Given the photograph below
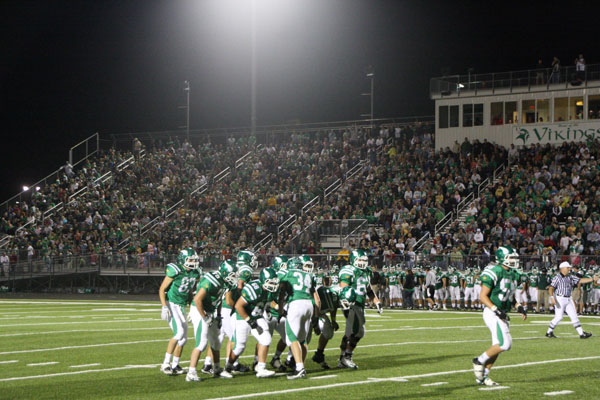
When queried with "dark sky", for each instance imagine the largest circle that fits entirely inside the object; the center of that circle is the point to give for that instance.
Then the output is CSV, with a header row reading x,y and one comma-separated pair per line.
x,y
71,68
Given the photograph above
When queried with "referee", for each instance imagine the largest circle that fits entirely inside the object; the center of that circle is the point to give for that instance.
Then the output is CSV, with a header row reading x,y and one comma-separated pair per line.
x,y
561,289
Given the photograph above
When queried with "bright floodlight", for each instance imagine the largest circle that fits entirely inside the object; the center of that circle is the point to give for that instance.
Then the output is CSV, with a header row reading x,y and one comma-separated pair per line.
x,y
37,188
25,188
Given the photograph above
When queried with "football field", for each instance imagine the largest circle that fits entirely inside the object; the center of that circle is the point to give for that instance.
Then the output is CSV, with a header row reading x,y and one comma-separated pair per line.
x,y
113,349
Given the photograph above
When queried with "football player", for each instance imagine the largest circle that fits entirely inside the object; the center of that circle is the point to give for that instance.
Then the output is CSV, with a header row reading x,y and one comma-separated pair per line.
x,y
440,288
469,288
331,299
298,288
249,314
319,277
205,315
477,287
274,318
393,284
357,275
496,286
174,293
333,275
522,282
454,279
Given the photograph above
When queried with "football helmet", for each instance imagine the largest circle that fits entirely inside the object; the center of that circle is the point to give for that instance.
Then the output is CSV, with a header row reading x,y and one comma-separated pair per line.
x,y
293,263
188,259
347,297
269,280
227,271
451,270
247,257
534,270
359,259
385,269
280,262
306,263
508,257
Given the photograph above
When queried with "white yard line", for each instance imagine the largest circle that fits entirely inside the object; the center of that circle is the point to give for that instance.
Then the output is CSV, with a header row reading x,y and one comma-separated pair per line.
x,y
21,317
9,362
85,365
85,346
322,377
485,389
44,363
558,393
76,303
434,384
112,321
342,384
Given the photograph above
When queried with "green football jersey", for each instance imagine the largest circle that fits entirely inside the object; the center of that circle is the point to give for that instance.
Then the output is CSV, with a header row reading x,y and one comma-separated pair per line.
x,y
500,282
319,280
454,279
470,280
215,288
301,285
533,280
359,279
392,278
520,280
439,280
244,272
334,280
256,299
182,285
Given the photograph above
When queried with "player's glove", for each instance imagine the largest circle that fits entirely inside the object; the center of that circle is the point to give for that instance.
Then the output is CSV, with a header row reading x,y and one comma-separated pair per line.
x,y
165,314
379,308
501,314
208,320
254,325
522,310
282,314
335,325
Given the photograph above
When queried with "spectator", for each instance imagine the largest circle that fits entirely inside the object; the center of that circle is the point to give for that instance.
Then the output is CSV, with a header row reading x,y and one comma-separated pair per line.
x,y
580,68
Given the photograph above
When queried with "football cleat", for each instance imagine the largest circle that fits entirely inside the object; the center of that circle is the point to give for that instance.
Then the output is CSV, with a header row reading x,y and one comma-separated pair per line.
x,y
319,358
241,368
551,335
207,369
264,373
276,363
192,377
254,364
221,373
478,370
177,370
291,364
297,374
347,363
166,369
487,382
585,335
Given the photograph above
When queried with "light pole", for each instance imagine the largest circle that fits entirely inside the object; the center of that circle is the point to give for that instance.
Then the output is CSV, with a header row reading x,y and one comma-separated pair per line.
x,y
370,75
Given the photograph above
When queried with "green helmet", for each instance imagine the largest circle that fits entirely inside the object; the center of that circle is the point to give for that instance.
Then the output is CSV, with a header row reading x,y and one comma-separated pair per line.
x,y
334,269
227,271
247,257
359,259
507,256
385,268
269,280
294,263
347,297
451,270
188,259
280,262
306,263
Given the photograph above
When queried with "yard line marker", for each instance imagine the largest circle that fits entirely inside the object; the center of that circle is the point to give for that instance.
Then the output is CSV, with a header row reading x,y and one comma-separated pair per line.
x,y
85,365
76,303
530,331
373,326
83,331
82,322
495,388
558,393
342,384
44,363
80,347
434,384
323,377
9,362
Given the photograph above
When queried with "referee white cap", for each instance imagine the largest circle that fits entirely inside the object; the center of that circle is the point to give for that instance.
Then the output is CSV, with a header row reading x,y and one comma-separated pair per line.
x,y
564,264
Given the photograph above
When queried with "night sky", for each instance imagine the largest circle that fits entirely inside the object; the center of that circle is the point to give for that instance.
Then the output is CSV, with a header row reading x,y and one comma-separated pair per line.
x,y
70,69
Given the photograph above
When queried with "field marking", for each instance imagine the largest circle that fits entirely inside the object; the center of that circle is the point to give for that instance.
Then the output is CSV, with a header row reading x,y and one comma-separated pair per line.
x,y
85,346
322,377
44,363
495,388
85,365
83,331
77,303
112,321
434,384
93,316
530,332
558,393
342,384
9,362
7,314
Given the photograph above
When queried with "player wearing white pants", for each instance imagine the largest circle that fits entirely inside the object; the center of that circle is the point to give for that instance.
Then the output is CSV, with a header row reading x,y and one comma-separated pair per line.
x,y
205,333
560,289
243,330
499,329
455,294
533,294
521,296
297,324
470,296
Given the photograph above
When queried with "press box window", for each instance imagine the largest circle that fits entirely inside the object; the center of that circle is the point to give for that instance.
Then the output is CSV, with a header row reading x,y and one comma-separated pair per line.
x,y
467,114
443,117
454,116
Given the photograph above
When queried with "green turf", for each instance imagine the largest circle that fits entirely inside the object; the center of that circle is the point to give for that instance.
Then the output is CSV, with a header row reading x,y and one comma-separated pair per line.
x,y
399,344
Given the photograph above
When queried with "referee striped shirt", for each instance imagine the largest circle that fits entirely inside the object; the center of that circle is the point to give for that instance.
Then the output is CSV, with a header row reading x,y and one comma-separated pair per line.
x,y
563,285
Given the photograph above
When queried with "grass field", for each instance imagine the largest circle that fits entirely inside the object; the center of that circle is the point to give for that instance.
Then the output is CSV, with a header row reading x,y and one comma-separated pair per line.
x,y
112,349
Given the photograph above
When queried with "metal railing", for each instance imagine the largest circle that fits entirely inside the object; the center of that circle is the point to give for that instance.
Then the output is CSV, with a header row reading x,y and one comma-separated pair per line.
x,y
286,224
91,145
524,80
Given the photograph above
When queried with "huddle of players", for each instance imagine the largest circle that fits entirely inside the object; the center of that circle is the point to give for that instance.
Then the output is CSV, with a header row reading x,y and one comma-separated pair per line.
x,y
462,289
287,297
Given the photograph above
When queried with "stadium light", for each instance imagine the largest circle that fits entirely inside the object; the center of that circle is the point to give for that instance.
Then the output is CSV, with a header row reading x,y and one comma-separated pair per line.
x,y
25,188
37,188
